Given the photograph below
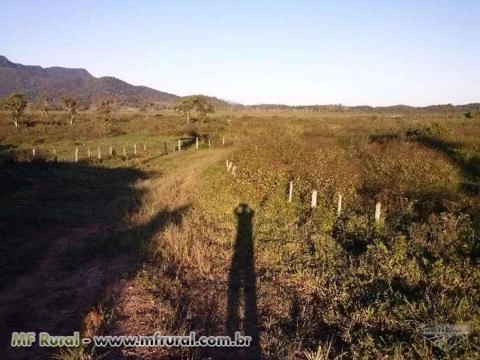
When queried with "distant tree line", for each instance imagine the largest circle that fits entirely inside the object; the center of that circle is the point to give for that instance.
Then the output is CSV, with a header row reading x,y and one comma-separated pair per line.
x,y
16,105
198,105
473,107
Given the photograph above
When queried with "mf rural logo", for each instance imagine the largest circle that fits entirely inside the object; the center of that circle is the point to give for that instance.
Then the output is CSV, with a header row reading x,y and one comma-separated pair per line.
x,y
446,336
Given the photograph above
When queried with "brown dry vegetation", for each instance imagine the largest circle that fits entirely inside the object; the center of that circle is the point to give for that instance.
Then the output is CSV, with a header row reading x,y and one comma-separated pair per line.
x,y
157,253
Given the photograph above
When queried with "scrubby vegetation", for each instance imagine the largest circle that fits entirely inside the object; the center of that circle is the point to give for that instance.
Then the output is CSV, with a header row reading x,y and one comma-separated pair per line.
x,y
324,286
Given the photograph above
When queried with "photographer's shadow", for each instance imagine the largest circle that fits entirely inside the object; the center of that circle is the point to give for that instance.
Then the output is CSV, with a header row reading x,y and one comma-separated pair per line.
x,y
242,281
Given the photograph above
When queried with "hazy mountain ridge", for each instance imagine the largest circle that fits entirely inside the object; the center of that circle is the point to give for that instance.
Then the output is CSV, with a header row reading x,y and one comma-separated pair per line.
x,y
35,81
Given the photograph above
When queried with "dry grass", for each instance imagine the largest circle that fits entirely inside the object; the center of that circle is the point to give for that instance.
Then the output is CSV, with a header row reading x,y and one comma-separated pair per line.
x,y
327,287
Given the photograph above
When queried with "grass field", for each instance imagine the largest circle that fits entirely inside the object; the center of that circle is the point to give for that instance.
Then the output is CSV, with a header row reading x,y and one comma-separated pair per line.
x,y
174,243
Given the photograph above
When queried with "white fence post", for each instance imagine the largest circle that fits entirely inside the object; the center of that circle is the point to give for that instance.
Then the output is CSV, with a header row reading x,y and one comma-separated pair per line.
x,y
33,152
110,150
179,145
99,153
378,207
196,142
135,149
76,154
290,191
88,152
339,205
314,199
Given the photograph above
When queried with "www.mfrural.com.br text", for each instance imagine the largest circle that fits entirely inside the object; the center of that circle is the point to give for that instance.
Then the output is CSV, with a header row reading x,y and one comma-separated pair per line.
x,y
44,339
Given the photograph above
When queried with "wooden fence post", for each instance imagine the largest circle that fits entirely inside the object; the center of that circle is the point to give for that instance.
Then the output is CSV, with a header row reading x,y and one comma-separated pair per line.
x,y
209,143
339,205
76,154
196,142
378,207
99,153
166,150
135,149
314,199
223,140
179,145
290,191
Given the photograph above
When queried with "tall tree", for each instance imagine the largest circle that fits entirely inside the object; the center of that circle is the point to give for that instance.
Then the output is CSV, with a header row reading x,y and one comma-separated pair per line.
x,y
15,104
147,108
46,102
187,104
71,105
105,108
204,107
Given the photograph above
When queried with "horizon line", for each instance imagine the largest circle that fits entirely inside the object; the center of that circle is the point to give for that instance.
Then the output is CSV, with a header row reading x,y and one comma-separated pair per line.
x,y
236,103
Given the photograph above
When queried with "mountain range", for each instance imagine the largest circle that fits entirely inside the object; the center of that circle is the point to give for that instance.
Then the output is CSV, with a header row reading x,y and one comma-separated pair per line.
x,y
55,82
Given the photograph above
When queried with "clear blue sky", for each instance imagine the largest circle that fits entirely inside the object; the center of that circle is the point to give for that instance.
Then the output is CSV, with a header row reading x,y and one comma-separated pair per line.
x,y
295,52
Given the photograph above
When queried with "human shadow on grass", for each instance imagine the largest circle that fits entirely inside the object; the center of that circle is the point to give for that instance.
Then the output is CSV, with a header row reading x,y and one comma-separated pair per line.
x,y
195,299
242,282
64,243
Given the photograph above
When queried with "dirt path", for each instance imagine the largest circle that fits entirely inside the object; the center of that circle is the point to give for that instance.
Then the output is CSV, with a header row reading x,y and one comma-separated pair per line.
x,y
138,311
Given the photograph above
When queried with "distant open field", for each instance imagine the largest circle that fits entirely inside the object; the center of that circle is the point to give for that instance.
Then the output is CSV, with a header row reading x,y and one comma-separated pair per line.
x,y
168,240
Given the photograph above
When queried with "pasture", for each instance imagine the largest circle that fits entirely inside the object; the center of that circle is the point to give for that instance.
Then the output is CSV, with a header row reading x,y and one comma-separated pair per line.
x,y
167,240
